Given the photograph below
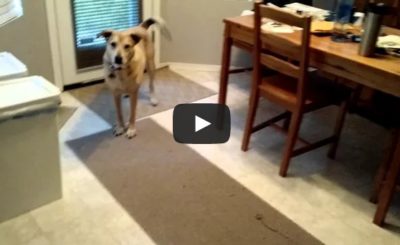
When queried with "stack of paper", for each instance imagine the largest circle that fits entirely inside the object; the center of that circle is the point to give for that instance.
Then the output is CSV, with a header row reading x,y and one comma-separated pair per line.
x,y
317,13
272,26
320,26
389,42
9,11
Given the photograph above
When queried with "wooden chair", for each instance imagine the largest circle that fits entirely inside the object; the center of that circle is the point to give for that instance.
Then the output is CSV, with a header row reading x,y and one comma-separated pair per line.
x,y
291,88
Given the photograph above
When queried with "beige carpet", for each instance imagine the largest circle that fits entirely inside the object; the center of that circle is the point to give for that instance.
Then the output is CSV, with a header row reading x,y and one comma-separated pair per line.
x,y
171,88
177,196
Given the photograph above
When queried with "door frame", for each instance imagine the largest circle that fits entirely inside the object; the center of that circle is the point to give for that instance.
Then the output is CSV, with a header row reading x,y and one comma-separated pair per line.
x,y
62,44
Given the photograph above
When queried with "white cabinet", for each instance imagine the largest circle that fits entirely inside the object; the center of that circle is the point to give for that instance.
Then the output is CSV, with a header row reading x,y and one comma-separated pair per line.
x,y
29,152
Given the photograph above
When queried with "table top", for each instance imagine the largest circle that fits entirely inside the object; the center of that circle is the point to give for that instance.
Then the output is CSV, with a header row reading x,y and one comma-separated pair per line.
x,y
348,51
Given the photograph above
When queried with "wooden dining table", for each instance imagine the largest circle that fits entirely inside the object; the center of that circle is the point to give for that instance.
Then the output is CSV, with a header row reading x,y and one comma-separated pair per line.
x,y
381,72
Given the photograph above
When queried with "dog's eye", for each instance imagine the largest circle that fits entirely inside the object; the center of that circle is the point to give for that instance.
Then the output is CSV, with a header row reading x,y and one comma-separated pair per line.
x,y
127,46
113,44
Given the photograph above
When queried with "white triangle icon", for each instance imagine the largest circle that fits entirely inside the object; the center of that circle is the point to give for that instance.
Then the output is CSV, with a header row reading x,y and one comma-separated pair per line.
x,y
200,123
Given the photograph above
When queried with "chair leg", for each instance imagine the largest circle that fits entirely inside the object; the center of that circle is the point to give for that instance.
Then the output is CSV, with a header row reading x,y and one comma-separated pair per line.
x,y
382,171
251,115
338,128
294,128
386,195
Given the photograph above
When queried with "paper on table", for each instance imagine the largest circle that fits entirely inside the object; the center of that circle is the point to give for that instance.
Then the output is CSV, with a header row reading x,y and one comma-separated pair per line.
x,y
9,11
317,13
250,12
319,26
389,41
247,12
306,8
272,26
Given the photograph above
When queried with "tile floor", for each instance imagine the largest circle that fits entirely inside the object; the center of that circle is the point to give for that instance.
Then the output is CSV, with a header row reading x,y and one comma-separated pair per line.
x,y
327,198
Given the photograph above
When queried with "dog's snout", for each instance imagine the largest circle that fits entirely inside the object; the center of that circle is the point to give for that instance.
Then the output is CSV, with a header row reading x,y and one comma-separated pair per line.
x,y
118,60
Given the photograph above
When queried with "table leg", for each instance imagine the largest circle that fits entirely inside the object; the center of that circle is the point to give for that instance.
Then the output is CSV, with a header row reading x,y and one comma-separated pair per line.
x,y
383,169
388,189
225,65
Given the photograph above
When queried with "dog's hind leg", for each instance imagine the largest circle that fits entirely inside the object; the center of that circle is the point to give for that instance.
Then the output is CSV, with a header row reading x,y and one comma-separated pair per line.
x,y
151,69
131,132
119,127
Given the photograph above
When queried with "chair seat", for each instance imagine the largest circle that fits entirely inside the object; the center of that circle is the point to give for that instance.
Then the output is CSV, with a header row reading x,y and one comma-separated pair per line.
x,y
282,89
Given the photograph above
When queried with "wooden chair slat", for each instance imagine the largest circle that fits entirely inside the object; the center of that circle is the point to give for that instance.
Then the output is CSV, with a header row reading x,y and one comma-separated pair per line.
x,y
279,45
287,18
280,65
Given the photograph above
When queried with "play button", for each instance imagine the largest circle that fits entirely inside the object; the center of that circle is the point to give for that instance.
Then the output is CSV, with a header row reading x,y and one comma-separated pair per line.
x,y
202,123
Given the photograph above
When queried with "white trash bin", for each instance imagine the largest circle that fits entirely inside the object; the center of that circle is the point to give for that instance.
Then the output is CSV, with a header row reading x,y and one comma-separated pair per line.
x,y
29,150
11,67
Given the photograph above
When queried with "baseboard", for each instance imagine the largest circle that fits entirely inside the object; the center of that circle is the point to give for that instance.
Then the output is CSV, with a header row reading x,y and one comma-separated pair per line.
x,y
162,65
194,67
198,67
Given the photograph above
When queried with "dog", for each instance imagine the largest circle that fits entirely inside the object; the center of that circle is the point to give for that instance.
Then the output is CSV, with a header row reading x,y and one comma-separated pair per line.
x,y
128,55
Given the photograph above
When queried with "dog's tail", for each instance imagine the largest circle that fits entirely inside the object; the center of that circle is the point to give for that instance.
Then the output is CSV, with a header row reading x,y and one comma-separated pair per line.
x,y
149,22
160,23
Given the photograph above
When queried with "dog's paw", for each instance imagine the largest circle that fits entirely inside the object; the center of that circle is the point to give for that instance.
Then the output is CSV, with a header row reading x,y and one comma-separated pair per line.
x,y
117,131
153,101
130,133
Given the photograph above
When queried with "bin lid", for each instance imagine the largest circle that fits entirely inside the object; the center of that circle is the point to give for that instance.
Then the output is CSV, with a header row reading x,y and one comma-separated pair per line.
x,y
26,95
11,67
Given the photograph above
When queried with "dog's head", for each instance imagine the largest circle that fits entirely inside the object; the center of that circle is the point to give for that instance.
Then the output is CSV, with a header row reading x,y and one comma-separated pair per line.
x,y
120,46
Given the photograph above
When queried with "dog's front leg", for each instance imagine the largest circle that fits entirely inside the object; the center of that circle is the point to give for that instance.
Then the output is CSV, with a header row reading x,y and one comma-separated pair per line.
x,y
131,132
119,127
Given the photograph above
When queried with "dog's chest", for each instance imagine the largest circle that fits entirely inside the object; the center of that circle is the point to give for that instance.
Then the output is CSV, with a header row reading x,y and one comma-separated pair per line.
x,y
122,80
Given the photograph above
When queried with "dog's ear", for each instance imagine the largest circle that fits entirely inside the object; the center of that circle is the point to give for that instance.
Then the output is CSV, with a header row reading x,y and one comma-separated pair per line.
x,y
106,34
136,38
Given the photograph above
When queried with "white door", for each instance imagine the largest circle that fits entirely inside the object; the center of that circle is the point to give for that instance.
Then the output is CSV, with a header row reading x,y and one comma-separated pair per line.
x,y
70,27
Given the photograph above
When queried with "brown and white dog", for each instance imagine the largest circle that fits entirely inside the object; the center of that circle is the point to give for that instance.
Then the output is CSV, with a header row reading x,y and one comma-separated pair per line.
x,y
128,54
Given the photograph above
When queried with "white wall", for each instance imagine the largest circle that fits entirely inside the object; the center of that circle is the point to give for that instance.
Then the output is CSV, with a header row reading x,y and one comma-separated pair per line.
x,y
197,29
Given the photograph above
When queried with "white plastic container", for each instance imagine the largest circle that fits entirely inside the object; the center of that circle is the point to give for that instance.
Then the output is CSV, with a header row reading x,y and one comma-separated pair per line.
x,y
29,153
11,67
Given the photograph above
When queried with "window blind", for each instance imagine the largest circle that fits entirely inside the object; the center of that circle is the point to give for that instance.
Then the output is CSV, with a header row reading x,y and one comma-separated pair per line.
x,y
93,16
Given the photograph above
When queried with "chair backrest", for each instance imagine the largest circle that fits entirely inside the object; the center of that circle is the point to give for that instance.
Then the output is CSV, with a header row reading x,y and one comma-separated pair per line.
x,y
278,53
